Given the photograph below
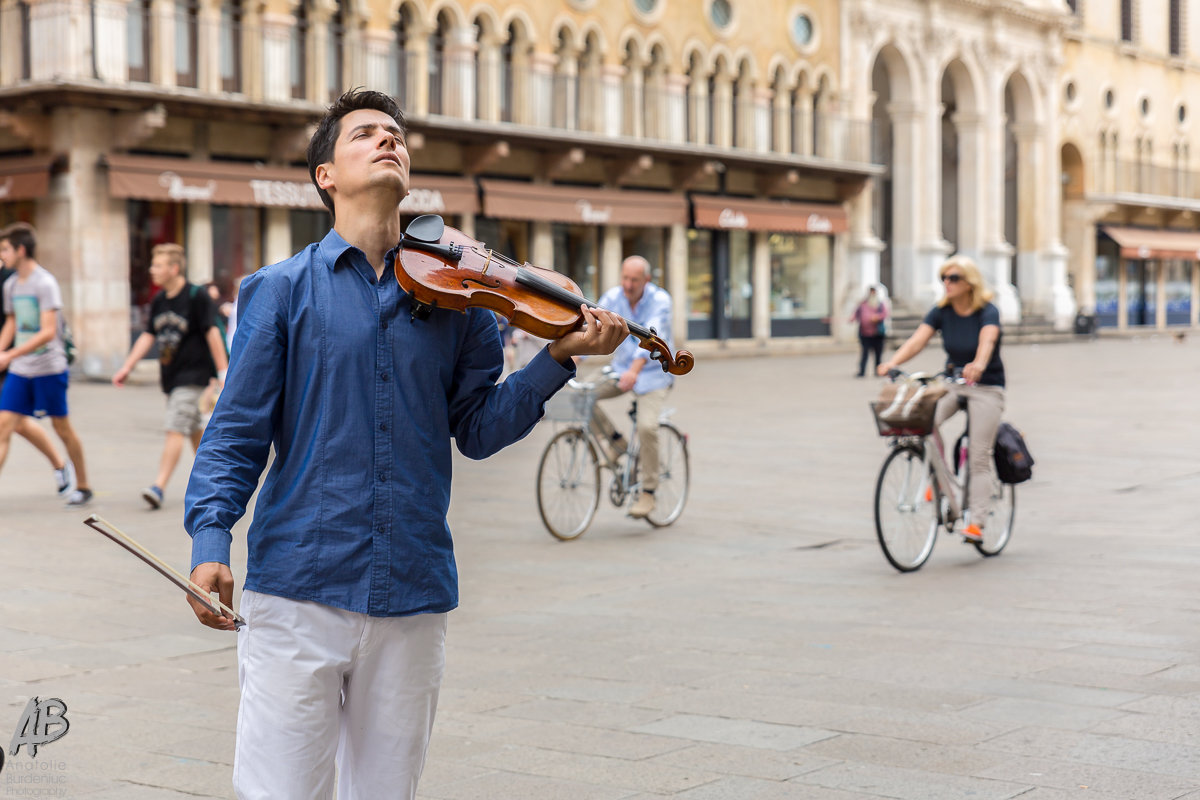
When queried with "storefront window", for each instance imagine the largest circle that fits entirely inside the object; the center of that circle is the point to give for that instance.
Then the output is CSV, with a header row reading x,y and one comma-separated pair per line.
x,y
307,227
647,243
237,240
739,290
150,223
1138,300
1107,259
699,288
509,238
801,284
575,255
1179,292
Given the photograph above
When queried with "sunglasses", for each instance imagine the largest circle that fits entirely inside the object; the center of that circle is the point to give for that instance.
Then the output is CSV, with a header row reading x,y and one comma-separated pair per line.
x,y
952,278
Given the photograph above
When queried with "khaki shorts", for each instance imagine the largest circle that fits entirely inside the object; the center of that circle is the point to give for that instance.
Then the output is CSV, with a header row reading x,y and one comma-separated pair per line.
x,y
183,409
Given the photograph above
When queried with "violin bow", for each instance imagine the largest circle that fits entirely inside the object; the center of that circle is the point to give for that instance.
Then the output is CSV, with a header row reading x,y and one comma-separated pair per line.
x,y
209,601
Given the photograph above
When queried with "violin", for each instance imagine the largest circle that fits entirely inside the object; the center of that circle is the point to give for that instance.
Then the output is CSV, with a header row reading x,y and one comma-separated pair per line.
x,y
442,267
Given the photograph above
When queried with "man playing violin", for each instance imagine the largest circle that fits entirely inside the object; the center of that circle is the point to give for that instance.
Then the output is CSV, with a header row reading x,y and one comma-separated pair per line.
x,y
351,570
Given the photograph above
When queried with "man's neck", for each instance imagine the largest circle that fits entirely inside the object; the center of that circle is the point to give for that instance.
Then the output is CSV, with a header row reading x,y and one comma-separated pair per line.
x,y
374,230
174,287
25,268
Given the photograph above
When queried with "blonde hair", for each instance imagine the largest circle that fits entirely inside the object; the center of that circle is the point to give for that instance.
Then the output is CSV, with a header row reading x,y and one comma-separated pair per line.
x,y
980,295
173,252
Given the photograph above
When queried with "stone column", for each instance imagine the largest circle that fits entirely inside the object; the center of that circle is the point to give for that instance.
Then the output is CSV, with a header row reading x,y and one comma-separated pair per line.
x,y
277,241
633,122
1033,282
110,42
1160,294
673,112
379,68
276,56
781,122
802,123
912,287
540,97
316,83
208,48
458,76
996,260
972,192
760,277
611,78
933,248
698,90
83,239
1060,300
488,78
1122,293
162,42
199,244
253,44
723,111
542,247
676,280
610,257
761,124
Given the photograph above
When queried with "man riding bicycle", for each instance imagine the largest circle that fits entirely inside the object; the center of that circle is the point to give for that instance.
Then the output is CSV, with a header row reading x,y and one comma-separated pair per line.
x,y
970,327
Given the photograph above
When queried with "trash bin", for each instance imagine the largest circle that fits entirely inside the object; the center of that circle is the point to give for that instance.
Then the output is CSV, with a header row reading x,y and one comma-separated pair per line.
x,y
1085,324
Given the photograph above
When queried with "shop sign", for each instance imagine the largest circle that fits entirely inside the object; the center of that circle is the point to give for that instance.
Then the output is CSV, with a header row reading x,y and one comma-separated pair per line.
x,y
6,189
819,224
593,214
728,218
177,189
285,193
423,201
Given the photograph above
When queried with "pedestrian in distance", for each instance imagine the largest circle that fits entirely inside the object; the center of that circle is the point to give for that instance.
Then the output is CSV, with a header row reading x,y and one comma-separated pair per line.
x,y
191,354
639,300
36,385
27,427
870,316
351,569
971,335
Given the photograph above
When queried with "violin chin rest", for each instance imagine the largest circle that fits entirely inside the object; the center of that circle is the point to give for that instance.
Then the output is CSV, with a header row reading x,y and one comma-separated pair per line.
x,y
426,228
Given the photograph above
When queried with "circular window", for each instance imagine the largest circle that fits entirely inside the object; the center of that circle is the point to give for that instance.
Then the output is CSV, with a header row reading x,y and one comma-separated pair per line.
x,y
1181,113
721,13
1145,106
646,6
802,30
1110,99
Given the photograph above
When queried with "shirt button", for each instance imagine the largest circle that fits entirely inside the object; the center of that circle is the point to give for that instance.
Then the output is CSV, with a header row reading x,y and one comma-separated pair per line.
x,y
383,376
383,426
382,478
385,326
379,530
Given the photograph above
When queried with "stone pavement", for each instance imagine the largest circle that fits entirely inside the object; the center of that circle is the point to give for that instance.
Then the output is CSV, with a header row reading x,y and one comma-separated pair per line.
x,y
761,648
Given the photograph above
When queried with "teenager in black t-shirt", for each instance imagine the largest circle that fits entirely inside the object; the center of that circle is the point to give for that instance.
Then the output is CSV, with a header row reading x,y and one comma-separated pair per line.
x,y
970,327
191,352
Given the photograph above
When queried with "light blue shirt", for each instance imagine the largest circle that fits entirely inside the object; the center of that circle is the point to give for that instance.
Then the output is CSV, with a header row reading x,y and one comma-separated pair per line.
x,y
653,311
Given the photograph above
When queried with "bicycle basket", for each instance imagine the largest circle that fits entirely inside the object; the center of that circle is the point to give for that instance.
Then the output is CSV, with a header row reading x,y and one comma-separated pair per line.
x,y
570,405
907,408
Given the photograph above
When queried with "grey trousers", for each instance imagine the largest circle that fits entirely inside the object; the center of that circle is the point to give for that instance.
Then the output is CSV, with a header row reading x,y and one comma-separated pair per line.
x,y
650,406
985,405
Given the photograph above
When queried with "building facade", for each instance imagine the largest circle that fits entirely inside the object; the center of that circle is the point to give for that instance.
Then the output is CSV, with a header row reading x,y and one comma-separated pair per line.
x,y
712,136
1128,92
963,97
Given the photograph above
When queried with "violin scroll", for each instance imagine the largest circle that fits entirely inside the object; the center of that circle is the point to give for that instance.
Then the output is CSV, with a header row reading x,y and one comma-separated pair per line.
x,y
679,364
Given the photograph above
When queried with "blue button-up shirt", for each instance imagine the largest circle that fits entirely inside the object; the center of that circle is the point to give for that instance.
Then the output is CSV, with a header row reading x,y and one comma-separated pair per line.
x,y
653,311
360,403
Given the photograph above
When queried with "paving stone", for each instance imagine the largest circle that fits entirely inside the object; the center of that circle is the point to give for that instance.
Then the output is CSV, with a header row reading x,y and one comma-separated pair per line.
x,y
735,732
909,784
1097,780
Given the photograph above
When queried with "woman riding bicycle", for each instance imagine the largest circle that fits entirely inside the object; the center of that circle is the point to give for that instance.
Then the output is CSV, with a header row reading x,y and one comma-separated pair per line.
x,y
970,327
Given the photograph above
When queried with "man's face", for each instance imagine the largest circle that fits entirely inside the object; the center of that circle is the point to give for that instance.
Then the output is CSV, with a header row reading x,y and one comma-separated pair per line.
x,y
8,256
162,270
370,151
633,280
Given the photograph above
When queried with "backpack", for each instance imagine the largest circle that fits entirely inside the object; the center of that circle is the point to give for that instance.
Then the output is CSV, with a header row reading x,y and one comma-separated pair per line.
x,y
1014,464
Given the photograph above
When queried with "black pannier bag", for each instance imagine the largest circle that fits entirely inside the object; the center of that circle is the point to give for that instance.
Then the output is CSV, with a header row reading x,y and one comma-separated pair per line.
x,y
1013,462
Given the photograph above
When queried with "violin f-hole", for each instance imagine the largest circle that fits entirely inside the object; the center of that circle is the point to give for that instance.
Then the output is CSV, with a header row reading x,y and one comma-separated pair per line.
x,y
484,284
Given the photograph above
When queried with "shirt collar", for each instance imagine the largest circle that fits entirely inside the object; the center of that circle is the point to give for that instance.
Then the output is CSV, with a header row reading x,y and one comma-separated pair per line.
x,y
333,247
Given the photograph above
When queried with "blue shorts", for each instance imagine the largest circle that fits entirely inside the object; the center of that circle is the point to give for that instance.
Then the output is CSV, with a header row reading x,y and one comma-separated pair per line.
x,y
45,396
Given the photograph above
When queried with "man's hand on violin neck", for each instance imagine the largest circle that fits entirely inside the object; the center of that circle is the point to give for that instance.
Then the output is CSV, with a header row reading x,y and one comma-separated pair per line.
x,y
600,333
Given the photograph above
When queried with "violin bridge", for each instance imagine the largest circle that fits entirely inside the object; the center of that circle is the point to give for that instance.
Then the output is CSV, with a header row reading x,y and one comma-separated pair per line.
x,y
487,263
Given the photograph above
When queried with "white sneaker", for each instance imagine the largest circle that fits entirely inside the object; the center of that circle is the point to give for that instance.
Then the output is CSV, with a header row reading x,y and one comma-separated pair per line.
x,y
64,479
643,506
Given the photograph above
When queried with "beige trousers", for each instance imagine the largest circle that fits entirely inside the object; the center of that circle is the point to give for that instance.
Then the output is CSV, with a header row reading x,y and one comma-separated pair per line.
x,y
985,405
650,406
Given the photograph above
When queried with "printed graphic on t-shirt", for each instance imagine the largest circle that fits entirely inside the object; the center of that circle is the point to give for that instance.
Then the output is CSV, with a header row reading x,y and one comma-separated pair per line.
x,y
28,313
169,330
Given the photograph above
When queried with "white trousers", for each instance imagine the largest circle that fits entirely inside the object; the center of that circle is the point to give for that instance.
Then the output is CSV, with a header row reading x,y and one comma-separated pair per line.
x,y
323,687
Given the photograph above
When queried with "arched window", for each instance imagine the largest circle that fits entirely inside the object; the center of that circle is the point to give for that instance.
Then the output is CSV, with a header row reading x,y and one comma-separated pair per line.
x,y
563,92
588,91
693,99
137,39
507,95
742,103
298,51
437,63
400,59
1175,30
230,46
654,95
335,53
1126,20
187,20
710,126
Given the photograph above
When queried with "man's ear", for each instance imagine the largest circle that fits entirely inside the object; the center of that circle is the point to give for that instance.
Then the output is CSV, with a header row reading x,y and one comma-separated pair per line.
x,y
324,179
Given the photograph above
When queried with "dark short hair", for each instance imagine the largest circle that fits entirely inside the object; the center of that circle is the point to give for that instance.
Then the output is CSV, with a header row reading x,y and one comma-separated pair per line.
x,y
320,147
21,234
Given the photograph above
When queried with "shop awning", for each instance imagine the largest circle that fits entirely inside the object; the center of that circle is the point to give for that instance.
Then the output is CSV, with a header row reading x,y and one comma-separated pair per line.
x,y
25,178
582,205
1155,242
185,181
741,213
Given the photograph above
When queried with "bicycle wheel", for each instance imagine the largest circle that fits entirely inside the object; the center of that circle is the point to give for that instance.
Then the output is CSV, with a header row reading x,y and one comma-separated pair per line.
x,y
568,484
906,518
674,476
998,528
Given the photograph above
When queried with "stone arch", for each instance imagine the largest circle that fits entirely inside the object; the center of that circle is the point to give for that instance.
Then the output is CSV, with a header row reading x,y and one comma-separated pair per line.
x,y
453,11
518,20
891,76
963,144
